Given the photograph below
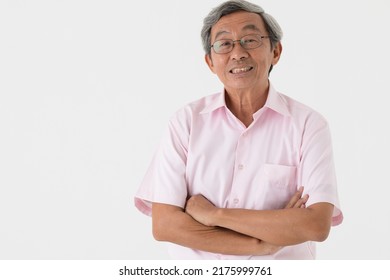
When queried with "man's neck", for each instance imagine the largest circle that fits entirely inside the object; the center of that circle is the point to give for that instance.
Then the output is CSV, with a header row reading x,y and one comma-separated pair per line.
x,y
243,104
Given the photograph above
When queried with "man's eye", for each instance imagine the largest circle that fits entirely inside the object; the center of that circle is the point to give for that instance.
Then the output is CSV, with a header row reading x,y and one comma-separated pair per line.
x,y
248,41
225,44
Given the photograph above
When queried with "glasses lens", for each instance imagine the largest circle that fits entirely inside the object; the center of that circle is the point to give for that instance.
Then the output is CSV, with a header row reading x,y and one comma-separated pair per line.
x,y
250,41
223,46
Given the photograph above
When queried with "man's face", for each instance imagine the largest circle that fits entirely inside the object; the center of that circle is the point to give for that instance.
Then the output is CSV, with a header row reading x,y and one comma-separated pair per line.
x,y
242,69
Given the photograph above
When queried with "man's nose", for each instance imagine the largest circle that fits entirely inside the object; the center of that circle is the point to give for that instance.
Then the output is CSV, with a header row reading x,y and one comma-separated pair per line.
x,y
238,52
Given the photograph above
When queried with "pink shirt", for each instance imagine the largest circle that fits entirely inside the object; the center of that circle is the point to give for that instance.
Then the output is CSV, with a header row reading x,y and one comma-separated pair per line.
x,y
207,150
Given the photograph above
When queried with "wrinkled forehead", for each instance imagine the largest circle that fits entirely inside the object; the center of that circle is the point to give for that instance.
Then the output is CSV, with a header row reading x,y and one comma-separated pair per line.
x,y
236,23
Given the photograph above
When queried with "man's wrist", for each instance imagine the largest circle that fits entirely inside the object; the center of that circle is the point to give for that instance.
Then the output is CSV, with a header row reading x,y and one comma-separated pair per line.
x,y
216,218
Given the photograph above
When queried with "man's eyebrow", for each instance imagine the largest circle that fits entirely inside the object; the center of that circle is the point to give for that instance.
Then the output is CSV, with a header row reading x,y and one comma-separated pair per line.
x,y
219,34
251,27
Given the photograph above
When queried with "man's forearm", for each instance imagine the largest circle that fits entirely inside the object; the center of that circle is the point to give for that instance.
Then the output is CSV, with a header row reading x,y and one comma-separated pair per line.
x,y
282,227
171,224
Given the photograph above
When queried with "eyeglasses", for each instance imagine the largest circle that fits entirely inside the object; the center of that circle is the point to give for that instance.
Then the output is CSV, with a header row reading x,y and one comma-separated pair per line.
x,y
248,42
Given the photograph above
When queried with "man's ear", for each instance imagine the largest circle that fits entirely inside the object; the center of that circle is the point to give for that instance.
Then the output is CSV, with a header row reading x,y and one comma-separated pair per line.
x,y
209,62
277,51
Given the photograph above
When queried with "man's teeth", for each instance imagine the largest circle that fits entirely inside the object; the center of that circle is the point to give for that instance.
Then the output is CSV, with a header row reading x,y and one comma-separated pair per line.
x,y
241,70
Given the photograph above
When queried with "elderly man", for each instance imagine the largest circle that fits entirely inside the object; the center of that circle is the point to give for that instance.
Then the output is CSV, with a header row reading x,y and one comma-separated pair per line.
x,y
246,173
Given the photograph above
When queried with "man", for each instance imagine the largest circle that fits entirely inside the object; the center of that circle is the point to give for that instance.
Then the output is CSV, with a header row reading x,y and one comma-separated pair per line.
x,y
247,173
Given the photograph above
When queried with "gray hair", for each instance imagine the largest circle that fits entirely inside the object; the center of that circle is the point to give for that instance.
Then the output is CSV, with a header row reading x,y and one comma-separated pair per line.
x,y
229,7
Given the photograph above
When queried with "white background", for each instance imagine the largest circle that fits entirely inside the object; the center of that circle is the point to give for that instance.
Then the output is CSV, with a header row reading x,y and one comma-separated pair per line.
x,y
87,87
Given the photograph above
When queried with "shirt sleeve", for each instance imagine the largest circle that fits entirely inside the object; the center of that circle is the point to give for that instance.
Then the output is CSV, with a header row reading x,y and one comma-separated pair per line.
x,y
165,180
316,170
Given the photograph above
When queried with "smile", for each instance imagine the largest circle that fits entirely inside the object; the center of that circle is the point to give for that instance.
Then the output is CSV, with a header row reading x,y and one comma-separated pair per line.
x,y
241,70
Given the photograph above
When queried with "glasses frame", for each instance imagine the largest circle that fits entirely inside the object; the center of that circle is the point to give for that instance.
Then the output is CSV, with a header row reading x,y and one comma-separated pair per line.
x,y
241,43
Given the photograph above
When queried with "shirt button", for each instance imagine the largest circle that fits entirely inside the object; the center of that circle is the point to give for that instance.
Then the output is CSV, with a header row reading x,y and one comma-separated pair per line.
x,y
240,166
236,200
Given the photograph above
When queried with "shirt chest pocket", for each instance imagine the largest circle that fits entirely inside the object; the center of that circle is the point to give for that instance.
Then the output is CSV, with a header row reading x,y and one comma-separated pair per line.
x,y
277,185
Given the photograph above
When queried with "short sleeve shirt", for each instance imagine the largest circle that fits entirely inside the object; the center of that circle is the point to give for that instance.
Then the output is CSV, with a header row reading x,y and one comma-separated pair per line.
x,y
207,150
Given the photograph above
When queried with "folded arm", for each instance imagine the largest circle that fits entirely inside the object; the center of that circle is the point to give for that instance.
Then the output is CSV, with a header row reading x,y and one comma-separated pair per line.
x,y
281,227
173,224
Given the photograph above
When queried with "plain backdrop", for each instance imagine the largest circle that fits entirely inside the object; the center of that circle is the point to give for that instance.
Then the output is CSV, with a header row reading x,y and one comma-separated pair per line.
x,y
87,87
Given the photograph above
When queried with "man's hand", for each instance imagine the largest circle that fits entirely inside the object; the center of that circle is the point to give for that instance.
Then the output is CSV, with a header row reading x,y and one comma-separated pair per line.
x,y
297,200
202,210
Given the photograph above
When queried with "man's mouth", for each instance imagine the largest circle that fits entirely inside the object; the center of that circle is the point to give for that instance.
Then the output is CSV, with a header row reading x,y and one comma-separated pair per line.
x,y
240,70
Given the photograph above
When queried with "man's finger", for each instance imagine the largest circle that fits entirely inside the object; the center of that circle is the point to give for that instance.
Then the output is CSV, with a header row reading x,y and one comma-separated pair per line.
x,y
295,198
301,201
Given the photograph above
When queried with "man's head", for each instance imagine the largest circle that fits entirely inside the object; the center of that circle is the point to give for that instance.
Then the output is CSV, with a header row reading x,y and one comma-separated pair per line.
x,y
229,7
242,43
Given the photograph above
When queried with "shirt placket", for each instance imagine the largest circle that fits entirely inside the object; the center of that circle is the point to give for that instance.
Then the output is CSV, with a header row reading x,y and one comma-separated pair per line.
x,y
240,170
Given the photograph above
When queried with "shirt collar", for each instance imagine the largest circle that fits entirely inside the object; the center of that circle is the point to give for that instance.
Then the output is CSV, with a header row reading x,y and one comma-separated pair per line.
x,y
275,101
216,102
